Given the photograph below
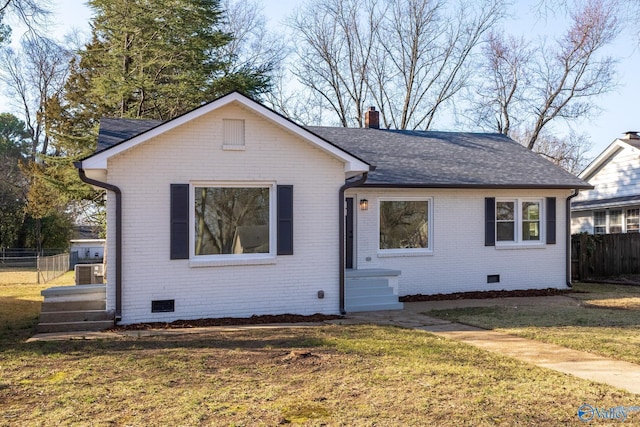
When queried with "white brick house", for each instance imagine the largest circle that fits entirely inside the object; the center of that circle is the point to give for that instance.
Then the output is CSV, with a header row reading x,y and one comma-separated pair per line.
x,y
426,212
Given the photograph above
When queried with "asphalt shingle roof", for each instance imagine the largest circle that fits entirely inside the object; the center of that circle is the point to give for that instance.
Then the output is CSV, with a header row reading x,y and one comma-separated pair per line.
x,y
113,131
448,159
416,158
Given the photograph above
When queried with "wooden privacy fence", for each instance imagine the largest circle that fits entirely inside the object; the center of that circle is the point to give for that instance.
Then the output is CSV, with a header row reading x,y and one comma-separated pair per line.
x,y
604,255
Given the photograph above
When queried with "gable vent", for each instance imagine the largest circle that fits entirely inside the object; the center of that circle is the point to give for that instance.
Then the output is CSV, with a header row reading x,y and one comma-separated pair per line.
x,y
232,134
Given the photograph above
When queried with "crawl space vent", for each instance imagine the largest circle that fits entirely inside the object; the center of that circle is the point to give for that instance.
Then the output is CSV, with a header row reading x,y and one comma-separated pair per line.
x,y
163,306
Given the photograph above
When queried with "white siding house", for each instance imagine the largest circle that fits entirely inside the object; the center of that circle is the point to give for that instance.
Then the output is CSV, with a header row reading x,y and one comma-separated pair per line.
x,y
613,204
426,213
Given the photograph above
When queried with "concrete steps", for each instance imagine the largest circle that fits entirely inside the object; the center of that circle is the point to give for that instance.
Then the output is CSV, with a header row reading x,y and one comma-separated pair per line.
x,y
370,294
74,308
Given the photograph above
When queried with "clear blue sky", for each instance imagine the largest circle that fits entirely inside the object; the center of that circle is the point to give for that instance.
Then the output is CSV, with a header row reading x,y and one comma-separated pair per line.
x,y
619,109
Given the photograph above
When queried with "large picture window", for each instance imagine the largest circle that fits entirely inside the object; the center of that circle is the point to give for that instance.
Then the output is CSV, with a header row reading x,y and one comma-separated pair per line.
x,y
405,225
232,220
518,221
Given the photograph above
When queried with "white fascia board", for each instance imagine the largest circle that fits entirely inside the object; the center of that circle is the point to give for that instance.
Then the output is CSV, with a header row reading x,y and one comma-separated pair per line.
x,y
613,148
351,163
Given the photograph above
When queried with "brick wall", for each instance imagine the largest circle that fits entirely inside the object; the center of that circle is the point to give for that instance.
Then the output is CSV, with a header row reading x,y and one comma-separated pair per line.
x,y
460,262
193,152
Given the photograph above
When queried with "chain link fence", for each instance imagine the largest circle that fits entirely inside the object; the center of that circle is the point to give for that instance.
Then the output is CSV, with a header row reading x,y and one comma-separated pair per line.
x,y
28,266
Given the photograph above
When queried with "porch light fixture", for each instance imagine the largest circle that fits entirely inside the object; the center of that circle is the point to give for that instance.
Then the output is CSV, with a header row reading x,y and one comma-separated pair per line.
x,y
364,204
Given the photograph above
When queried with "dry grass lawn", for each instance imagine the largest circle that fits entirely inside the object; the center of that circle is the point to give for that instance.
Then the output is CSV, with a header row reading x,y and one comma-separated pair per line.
x,y
332,375
605,320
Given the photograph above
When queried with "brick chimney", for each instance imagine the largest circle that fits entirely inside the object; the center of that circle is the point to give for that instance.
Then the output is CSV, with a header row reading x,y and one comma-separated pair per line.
x,y
372,118
631,134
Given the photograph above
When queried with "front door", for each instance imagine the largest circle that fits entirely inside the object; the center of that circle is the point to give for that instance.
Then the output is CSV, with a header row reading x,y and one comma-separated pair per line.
x,y
348,233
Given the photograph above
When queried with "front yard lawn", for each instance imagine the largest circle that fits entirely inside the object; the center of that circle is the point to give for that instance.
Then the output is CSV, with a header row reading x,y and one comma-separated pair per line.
x,y
604,320
330,375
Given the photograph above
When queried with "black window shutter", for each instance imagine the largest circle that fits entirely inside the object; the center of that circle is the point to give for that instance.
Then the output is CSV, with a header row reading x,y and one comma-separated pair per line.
x,y
490,221
179,221
285,219
551,220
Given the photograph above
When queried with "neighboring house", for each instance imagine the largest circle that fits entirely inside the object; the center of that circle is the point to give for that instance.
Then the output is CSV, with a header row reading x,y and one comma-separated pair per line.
x,y
613,205
88,249
234,210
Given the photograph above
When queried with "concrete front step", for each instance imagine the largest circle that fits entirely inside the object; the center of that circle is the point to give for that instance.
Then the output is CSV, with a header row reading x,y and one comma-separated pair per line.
x,y
80,305
74,308
370,294
75,293
373,307
92,325
74,316
386,291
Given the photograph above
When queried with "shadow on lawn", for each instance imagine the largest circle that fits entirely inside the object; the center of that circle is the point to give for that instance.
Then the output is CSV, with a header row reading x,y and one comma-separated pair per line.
x,y
245,340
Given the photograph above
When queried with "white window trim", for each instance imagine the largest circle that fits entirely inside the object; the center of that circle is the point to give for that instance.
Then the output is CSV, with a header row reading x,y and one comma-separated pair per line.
x,y
606,221
518,242
233,259
382,253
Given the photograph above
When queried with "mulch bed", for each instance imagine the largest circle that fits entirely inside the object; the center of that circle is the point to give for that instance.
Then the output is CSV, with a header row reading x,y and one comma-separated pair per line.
x,y
229,321
486,295
318,318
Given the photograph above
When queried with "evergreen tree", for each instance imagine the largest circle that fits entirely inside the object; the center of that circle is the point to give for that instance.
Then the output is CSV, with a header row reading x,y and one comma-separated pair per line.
x,y
155,59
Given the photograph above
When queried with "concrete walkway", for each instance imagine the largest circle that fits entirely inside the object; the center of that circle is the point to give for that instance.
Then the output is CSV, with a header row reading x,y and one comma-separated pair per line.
x,y
623,375
584,365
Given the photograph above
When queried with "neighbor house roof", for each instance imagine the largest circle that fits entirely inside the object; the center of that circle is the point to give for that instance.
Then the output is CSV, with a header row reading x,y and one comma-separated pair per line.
x,y
607,155
605,203
404,158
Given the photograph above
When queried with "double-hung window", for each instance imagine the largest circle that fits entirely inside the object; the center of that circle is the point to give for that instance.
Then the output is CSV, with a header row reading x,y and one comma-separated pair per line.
x,y
615,221
405,226
633,225
518,221
599,222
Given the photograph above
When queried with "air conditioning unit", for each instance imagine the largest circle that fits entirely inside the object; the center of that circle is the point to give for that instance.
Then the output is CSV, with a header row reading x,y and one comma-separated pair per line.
x,y
89,274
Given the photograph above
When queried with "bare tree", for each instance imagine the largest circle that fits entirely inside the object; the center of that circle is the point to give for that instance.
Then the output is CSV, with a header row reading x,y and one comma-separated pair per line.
x,y
423,54
31,13
254,46
31,78
568,77
570,152
409,57
530,86
498,100
334,46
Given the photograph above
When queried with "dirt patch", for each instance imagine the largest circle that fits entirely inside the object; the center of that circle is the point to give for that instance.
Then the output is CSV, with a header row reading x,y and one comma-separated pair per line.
x,y
487,295
230,321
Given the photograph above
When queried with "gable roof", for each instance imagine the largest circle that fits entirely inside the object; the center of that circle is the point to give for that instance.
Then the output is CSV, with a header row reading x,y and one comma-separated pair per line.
x,y
401,158
607,154
448,159
119,135
114,131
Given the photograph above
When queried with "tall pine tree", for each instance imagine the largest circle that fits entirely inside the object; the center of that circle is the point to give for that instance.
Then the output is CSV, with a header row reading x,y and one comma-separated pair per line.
x,y
156,59
147,59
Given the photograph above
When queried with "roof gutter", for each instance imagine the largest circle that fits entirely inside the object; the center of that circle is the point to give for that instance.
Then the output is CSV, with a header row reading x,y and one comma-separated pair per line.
x,y
118,193
345,187
568,222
